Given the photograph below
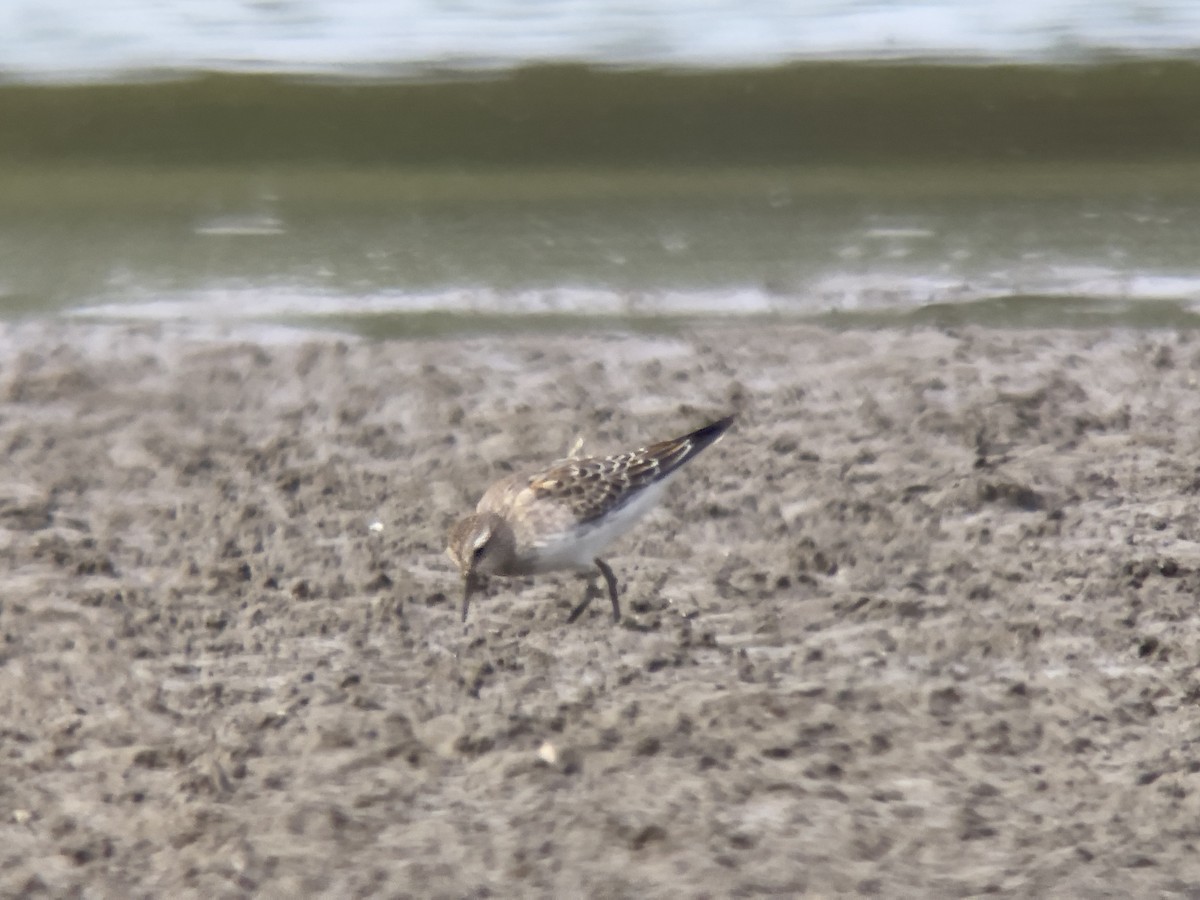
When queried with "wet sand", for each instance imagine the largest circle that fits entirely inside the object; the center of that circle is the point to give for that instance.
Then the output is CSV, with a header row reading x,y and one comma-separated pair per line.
x,y
922,624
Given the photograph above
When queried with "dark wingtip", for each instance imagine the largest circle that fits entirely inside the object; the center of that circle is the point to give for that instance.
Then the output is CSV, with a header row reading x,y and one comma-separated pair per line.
x,y
673,454
702,437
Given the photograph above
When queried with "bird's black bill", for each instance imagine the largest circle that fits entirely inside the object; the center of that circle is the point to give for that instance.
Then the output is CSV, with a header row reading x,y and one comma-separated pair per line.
x,y
470,584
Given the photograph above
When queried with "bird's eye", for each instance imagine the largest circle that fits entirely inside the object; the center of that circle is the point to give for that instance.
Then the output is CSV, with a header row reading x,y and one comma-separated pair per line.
x,y
478,555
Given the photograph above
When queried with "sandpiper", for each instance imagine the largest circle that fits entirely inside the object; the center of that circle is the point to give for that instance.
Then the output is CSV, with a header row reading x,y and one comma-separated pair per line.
x,y
563,516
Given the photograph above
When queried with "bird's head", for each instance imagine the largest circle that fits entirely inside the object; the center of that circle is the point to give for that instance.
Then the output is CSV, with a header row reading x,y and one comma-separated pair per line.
x,y
479,544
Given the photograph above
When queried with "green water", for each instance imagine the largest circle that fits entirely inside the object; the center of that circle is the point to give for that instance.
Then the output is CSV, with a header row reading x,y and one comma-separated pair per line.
x,y
573,116
840,192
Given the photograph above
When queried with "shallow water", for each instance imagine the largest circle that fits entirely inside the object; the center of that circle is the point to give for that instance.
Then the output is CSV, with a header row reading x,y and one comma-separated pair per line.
x,y
843,193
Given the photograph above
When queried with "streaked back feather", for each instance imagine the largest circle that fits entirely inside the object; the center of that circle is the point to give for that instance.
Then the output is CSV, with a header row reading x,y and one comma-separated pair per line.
x,y
594,486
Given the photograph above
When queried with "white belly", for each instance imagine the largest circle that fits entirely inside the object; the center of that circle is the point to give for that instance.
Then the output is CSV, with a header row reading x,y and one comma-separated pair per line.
x,y
579,549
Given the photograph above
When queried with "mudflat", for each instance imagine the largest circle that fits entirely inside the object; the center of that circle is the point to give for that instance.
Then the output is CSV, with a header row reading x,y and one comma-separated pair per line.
x,y
923,624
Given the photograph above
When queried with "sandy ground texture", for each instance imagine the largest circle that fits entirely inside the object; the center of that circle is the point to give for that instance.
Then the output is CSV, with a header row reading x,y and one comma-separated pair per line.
x,y
922,625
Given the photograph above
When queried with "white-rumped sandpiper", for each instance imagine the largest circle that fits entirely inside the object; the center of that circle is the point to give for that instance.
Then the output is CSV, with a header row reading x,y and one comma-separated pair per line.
x,y
564,515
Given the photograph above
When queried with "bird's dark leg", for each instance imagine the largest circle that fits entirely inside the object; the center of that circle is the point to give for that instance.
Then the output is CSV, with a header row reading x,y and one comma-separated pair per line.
x,y
594,591
588,594
611,579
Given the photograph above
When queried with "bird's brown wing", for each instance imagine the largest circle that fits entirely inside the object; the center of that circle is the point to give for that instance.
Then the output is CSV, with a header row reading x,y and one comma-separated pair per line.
x,y
594,486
